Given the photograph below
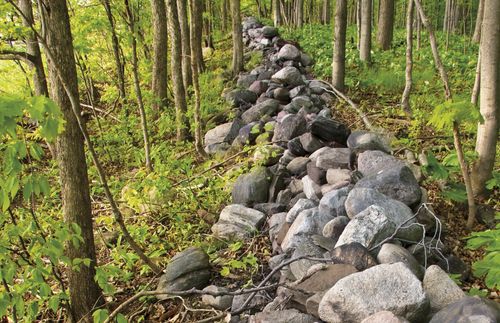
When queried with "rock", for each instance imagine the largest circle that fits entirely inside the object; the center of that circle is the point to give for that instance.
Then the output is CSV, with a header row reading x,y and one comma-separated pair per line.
x,y
368,228
329,130
187,269
281,94
268,155
324,277
300,102
316,174
252,188
311,189
283,316
469,309
333,202
383,287
362,140
215,149
250,23
237,222
284,197
325,243
314,156
306,60
337,175
248,133
290,127
299,90
255,113
335,227
384,317
310,143
312,304
289,53
334,158
298,165
454,265
279,179
258,301
296,186
258,87
288,76
390,253
361,198
440,288
373,161
318,87
433,251
301,205
269,208
223,133
308,222
354,254
295,147
305,247
222,302
240,97
245,80
269,32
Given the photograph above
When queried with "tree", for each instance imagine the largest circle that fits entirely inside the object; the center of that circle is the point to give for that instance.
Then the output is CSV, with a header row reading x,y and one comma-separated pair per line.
x,y
187,77
159,74
489,98
338,65
176,67
276,13
366,31
238,63
479,19
299,13
85,294
385,24
196,7
326,12
405,101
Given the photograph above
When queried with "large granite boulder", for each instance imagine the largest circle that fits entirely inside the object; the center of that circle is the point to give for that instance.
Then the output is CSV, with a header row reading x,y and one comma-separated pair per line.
x,y
291,126
289,53
362,140
223,133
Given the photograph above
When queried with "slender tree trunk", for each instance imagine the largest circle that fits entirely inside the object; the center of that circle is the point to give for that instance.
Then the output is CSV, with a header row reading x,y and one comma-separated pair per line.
x,y
120,68
176,65
187,77
385,24
405,101
419,31
208,25
85,293
238,63
159,74
225,10
358,23
137,85
490,97
477,81
366,31
327,11
196,7
456,129
479,19
299,10
338,65
276,13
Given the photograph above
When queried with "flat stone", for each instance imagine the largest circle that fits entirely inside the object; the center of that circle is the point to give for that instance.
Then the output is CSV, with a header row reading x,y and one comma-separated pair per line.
x,y
337,175
252,188
255,113
390,253
469,309
440,288
298,165
237,222
334,158
354,254
362,140
383,287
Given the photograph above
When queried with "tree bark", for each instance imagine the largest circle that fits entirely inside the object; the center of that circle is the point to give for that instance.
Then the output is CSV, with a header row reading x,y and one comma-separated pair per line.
x,y
276,13
405,101
176,66
385,24
187,77
338,65
196,7
490,97
479,19
366,31
327,8
159,77
237,38
299,11
85,293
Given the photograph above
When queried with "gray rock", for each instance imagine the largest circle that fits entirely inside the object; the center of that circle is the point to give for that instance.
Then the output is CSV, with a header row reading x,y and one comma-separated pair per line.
x,y
223,133
279,179
390,253
237,222
440,288
469,310
317,174
284,197
306,60
384,317
329,130
281,94
245,80
275,223
269,32
306,247
268,155
222,302
334,158
362,140
333,202
311,189
300,102
296,186
283,316
252,188
187,269
314,156
454,265
318,87
298,165
383,287
335,227
290,127
288,76
373,161
269,208
240,97
337,175
308,222
312,304
310,143
289,53
354,254
325,113
368,228
258,87
217,149
258,301
250,23
255,113
249,133
298,90
301,205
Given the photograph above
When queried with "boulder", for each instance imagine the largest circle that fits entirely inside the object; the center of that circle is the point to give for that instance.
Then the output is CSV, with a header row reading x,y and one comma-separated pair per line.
x,y
332,203
281,94
310,143
290,127
469,309
268,155
334,158
269,32
223,133
298,165
440,288
335,227
308,222
237,222
354,254
454,265
289,76
306,247
255,113
311,189
329,130
301,205
248,133
337,175
373,161
317,174
245,80
289,53
252,188
384,287
222,302
240,97
390,253
362,140
258,87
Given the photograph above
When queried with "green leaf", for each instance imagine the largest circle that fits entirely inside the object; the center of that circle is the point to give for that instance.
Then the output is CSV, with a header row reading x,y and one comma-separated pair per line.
x,y
100,315
120,318
225,271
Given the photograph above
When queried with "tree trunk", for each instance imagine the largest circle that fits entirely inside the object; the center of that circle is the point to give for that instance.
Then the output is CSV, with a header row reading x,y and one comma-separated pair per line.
x,y
187,77
490,97
120,68
176,65
159,77
338,66
85,293
276,13
299,10
137,84
327,8
196,7
405,101
385,24
366,31
237,38
479,19
358,23
225,10
207,25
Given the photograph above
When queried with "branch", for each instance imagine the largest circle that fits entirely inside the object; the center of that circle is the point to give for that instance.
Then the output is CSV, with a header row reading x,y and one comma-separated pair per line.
x,y
10,54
